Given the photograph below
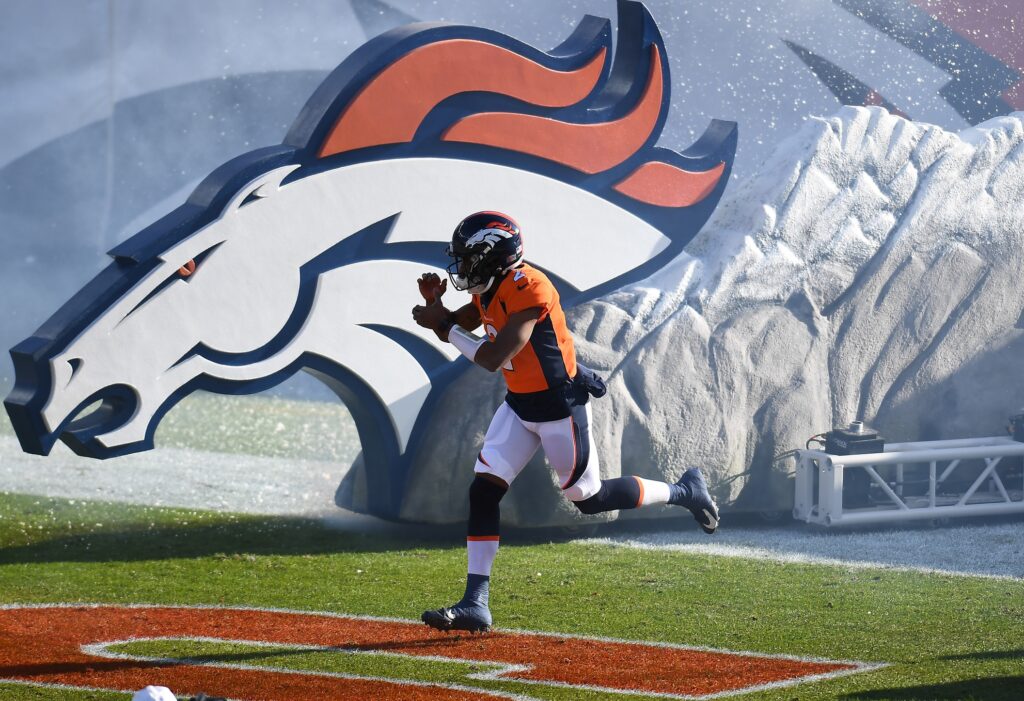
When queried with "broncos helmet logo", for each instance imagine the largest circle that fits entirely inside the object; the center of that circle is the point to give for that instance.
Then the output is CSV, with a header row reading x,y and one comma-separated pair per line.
x,y
263,271
490,236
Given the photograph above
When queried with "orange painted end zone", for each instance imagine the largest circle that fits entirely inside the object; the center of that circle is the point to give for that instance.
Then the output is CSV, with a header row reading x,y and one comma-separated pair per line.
x,y
44,645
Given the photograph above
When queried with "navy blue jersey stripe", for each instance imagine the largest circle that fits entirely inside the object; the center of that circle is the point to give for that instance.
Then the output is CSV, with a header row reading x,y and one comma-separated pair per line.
x,y
545,345
547,405
487,297
581,440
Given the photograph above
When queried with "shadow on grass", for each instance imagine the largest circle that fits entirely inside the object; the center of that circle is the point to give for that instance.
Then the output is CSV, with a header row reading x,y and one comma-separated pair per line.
x,y
988,655
258,535
245,537
251,536
988,689
433,642
29,672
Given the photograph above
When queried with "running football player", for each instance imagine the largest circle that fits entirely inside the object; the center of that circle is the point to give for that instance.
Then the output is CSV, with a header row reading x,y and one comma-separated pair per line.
x,y
546,404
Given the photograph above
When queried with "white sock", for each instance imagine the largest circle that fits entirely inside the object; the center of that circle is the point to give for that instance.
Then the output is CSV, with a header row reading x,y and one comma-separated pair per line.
x,y
481,551
652,492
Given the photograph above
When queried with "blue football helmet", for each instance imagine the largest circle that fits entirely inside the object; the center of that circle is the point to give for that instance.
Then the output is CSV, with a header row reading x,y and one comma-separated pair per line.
x,y
484,247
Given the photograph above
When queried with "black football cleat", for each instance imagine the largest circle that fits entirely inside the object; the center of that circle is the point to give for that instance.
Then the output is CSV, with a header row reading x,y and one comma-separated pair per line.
x,y
692,493
474,618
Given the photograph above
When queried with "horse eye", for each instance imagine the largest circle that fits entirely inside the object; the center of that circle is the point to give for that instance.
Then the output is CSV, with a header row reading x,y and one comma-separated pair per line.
x,y
188,268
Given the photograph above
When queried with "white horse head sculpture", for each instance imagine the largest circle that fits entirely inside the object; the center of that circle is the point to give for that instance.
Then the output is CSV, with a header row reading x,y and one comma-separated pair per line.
x,y
303,256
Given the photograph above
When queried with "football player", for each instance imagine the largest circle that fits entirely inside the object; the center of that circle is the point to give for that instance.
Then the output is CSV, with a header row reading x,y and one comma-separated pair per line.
x,y
546,405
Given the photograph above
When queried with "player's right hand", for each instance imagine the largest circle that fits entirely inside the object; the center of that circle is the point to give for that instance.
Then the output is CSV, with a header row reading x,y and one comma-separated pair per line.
x,y
430,316
432,287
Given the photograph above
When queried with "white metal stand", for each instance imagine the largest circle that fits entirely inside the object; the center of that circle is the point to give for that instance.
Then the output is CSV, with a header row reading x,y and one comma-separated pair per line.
x,y
819,482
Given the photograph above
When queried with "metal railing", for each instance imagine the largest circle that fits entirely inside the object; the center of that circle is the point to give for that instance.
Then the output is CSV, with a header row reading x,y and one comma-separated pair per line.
x,y
820,496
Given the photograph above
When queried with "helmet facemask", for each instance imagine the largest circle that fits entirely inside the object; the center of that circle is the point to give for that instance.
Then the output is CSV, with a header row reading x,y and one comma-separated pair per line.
x,y
466,274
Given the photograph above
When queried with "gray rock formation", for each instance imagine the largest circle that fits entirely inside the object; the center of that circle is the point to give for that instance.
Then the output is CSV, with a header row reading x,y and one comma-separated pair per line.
x,y
872,270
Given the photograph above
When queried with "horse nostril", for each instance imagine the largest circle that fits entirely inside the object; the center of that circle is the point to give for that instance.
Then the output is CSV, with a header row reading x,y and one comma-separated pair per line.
x,y
75,363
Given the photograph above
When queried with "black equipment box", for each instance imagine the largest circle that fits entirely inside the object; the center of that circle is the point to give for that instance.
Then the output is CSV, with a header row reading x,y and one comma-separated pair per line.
x,y
1016,427
856,439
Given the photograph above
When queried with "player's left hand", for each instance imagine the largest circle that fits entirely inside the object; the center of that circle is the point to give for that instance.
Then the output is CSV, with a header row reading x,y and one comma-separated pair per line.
x,y
430,316
432,287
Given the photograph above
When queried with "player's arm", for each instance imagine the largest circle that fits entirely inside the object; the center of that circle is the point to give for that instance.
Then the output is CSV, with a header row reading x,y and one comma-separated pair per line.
x,y
434,315
441,320
491,355
466,316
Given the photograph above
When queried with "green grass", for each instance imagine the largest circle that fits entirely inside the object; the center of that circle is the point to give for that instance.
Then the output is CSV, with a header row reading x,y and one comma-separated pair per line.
x,y
308,661
942,636
255,425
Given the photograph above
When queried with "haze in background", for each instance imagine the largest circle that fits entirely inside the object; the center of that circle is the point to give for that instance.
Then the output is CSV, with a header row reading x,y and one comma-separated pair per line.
x,y
113,111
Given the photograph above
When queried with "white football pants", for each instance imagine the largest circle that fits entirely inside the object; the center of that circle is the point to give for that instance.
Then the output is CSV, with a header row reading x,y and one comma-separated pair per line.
x,y
511,442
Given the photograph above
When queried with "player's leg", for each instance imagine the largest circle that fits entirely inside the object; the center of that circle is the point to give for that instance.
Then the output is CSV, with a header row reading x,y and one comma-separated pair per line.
x,y
567,447
508,446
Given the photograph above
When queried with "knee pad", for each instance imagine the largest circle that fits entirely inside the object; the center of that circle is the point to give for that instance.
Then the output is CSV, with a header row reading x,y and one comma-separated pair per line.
x,y
483,491
484,512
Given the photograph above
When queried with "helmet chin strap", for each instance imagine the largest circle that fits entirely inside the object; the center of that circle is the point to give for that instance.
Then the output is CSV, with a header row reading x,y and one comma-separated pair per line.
x,y
480,289
483,287
460,282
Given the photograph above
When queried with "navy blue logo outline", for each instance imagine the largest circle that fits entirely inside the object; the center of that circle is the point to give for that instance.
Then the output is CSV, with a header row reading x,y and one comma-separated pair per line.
x,y
616,93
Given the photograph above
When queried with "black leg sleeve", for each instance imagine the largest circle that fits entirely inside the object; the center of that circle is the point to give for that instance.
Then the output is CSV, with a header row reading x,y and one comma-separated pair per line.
x,y
484,513
618,493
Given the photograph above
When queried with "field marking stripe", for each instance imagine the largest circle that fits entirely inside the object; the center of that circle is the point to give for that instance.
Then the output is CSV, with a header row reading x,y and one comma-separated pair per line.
x,y
98,649
453,687
496,675
749,552
853,666
414,622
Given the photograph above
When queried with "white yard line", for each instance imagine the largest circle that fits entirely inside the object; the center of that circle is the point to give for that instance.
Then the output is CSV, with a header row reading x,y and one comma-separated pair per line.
x,y
995,551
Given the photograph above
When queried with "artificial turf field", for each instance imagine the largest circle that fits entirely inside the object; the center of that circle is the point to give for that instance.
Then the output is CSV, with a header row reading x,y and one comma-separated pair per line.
x,y
940,636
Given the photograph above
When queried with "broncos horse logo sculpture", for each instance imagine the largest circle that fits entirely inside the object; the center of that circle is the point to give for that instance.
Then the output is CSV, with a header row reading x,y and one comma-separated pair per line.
x,y
275,262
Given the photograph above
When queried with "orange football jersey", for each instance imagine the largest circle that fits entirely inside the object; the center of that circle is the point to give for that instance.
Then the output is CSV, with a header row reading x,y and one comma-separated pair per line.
x,y
549,359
